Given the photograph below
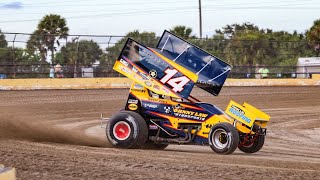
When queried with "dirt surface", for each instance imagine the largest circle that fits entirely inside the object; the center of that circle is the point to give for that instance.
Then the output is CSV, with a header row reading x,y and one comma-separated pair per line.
x,y
55,134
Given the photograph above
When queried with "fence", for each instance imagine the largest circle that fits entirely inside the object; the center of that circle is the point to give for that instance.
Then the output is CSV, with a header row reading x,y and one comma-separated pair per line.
x,y
105,70
28,55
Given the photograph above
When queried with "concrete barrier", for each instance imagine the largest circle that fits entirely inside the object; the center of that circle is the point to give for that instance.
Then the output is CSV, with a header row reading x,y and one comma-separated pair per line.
x,y
64,83
107,83
7,173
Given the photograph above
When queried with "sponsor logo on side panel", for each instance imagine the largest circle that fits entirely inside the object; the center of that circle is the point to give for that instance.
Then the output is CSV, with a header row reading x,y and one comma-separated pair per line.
x,y
132,107
133,101
239,113
189,114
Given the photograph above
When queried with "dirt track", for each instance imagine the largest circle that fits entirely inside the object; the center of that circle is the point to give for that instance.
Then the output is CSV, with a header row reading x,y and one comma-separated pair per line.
x,y
55,135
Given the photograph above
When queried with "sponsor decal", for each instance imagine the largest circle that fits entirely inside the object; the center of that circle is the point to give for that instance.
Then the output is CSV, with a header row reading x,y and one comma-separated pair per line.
x,y
165,90
148,83
137,77
239,113
144,76
158,100
124,62
205,82
134,69
126,70
167,109
132,107
153,127
138,86
156,87
153,73
148,105
189,114
132,101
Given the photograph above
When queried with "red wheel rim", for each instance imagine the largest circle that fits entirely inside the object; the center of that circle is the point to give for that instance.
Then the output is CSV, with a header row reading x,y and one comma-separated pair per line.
x,y
121,130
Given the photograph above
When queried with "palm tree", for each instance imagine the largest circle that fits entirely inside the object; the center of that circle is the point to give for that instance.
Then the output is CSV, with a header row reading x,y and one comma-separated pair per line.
x,y
182,31
52,27
36,43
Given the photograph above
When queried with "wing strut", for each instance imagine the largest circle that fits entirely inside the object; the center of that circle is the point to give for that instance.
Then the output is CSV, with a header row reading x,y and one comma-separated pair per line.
x,y
205,65
220,74
165,43
181,53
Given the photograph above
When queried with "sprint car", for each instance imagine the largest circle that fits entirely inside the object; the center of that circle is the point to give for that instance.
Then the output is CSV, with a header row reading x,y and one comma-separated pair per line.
x,y
160,109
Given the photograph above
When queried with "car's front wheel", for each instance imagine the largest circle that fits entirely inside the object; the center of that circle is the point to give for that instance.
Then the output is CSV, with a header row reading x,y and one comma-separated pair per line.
x,y
223,138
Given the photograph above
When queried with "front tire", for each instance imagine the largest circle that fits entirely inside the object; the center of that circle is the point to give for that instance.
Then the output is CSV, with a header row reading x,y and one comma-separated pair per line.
x,y
127,130
223,138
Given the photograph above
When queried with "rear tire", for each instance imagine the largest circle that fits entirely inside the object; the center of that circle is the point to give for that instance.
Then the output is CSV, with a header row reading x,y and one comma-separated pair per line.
x,y
127,129
223,138
253,147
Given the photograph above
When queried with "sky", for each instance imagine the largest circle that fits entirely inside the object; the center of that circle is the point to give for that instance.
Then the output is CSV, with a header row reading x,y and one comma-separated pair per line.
x,y
117,17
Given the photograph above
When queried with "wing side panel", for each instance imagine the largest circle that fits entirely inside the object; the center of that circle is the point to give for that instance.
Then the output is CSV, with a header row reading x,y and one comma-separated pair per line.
x,y
154,71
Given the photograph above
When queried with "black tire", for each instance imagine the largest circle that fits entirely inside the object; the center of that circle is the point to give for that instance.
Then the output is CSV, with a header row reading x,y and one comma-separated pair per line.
x,y
223,138
154,146
253,147
127,129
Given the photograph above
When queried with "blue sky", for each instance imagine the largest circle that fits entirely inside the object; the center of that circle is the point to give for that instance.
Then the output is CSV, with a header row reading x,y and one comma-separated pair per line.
x,y
117,17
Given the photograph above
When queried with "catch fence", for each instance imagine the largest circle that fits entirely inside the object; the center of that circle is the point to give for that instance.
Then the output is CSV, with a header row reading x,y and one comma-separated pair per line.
x,y
26,56
105,70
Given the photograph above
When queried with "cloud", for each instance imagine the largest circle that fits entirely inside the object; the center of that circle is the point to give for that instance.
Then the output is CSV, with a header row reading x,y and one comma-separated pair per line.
x,y
13,5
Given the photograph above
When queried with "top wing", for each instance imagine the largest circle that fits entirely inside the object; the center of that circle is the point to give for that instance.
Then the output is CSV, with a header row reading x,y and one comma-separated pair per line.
x,y
212,71
154,71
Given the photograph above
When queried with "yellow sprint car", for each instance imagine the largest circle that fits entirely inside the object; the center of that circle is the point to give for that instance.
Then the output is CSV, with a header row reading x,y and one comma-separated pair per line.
x,y
161,111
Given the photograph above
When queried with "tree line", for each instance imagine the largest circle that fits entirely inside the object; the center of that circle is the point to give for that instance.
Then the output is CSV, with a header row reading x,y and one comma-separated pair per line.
x,y
239,44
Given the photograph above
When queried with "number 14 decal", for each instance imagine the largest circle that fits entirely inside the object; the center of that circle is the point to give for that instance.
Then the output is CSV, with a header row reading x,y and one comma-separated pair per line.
x,y
177,83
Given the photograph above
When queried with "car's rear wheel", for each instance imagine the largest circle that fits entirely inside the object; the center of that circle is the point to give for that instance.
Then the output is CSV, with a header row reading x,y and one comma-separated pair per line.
x,y
223,138
253,144
127,129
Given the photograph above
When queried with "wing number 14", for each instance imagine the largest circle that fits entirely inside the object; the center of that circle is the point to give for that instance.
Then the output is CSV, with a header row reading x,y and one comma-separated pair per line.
x,y
176,83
